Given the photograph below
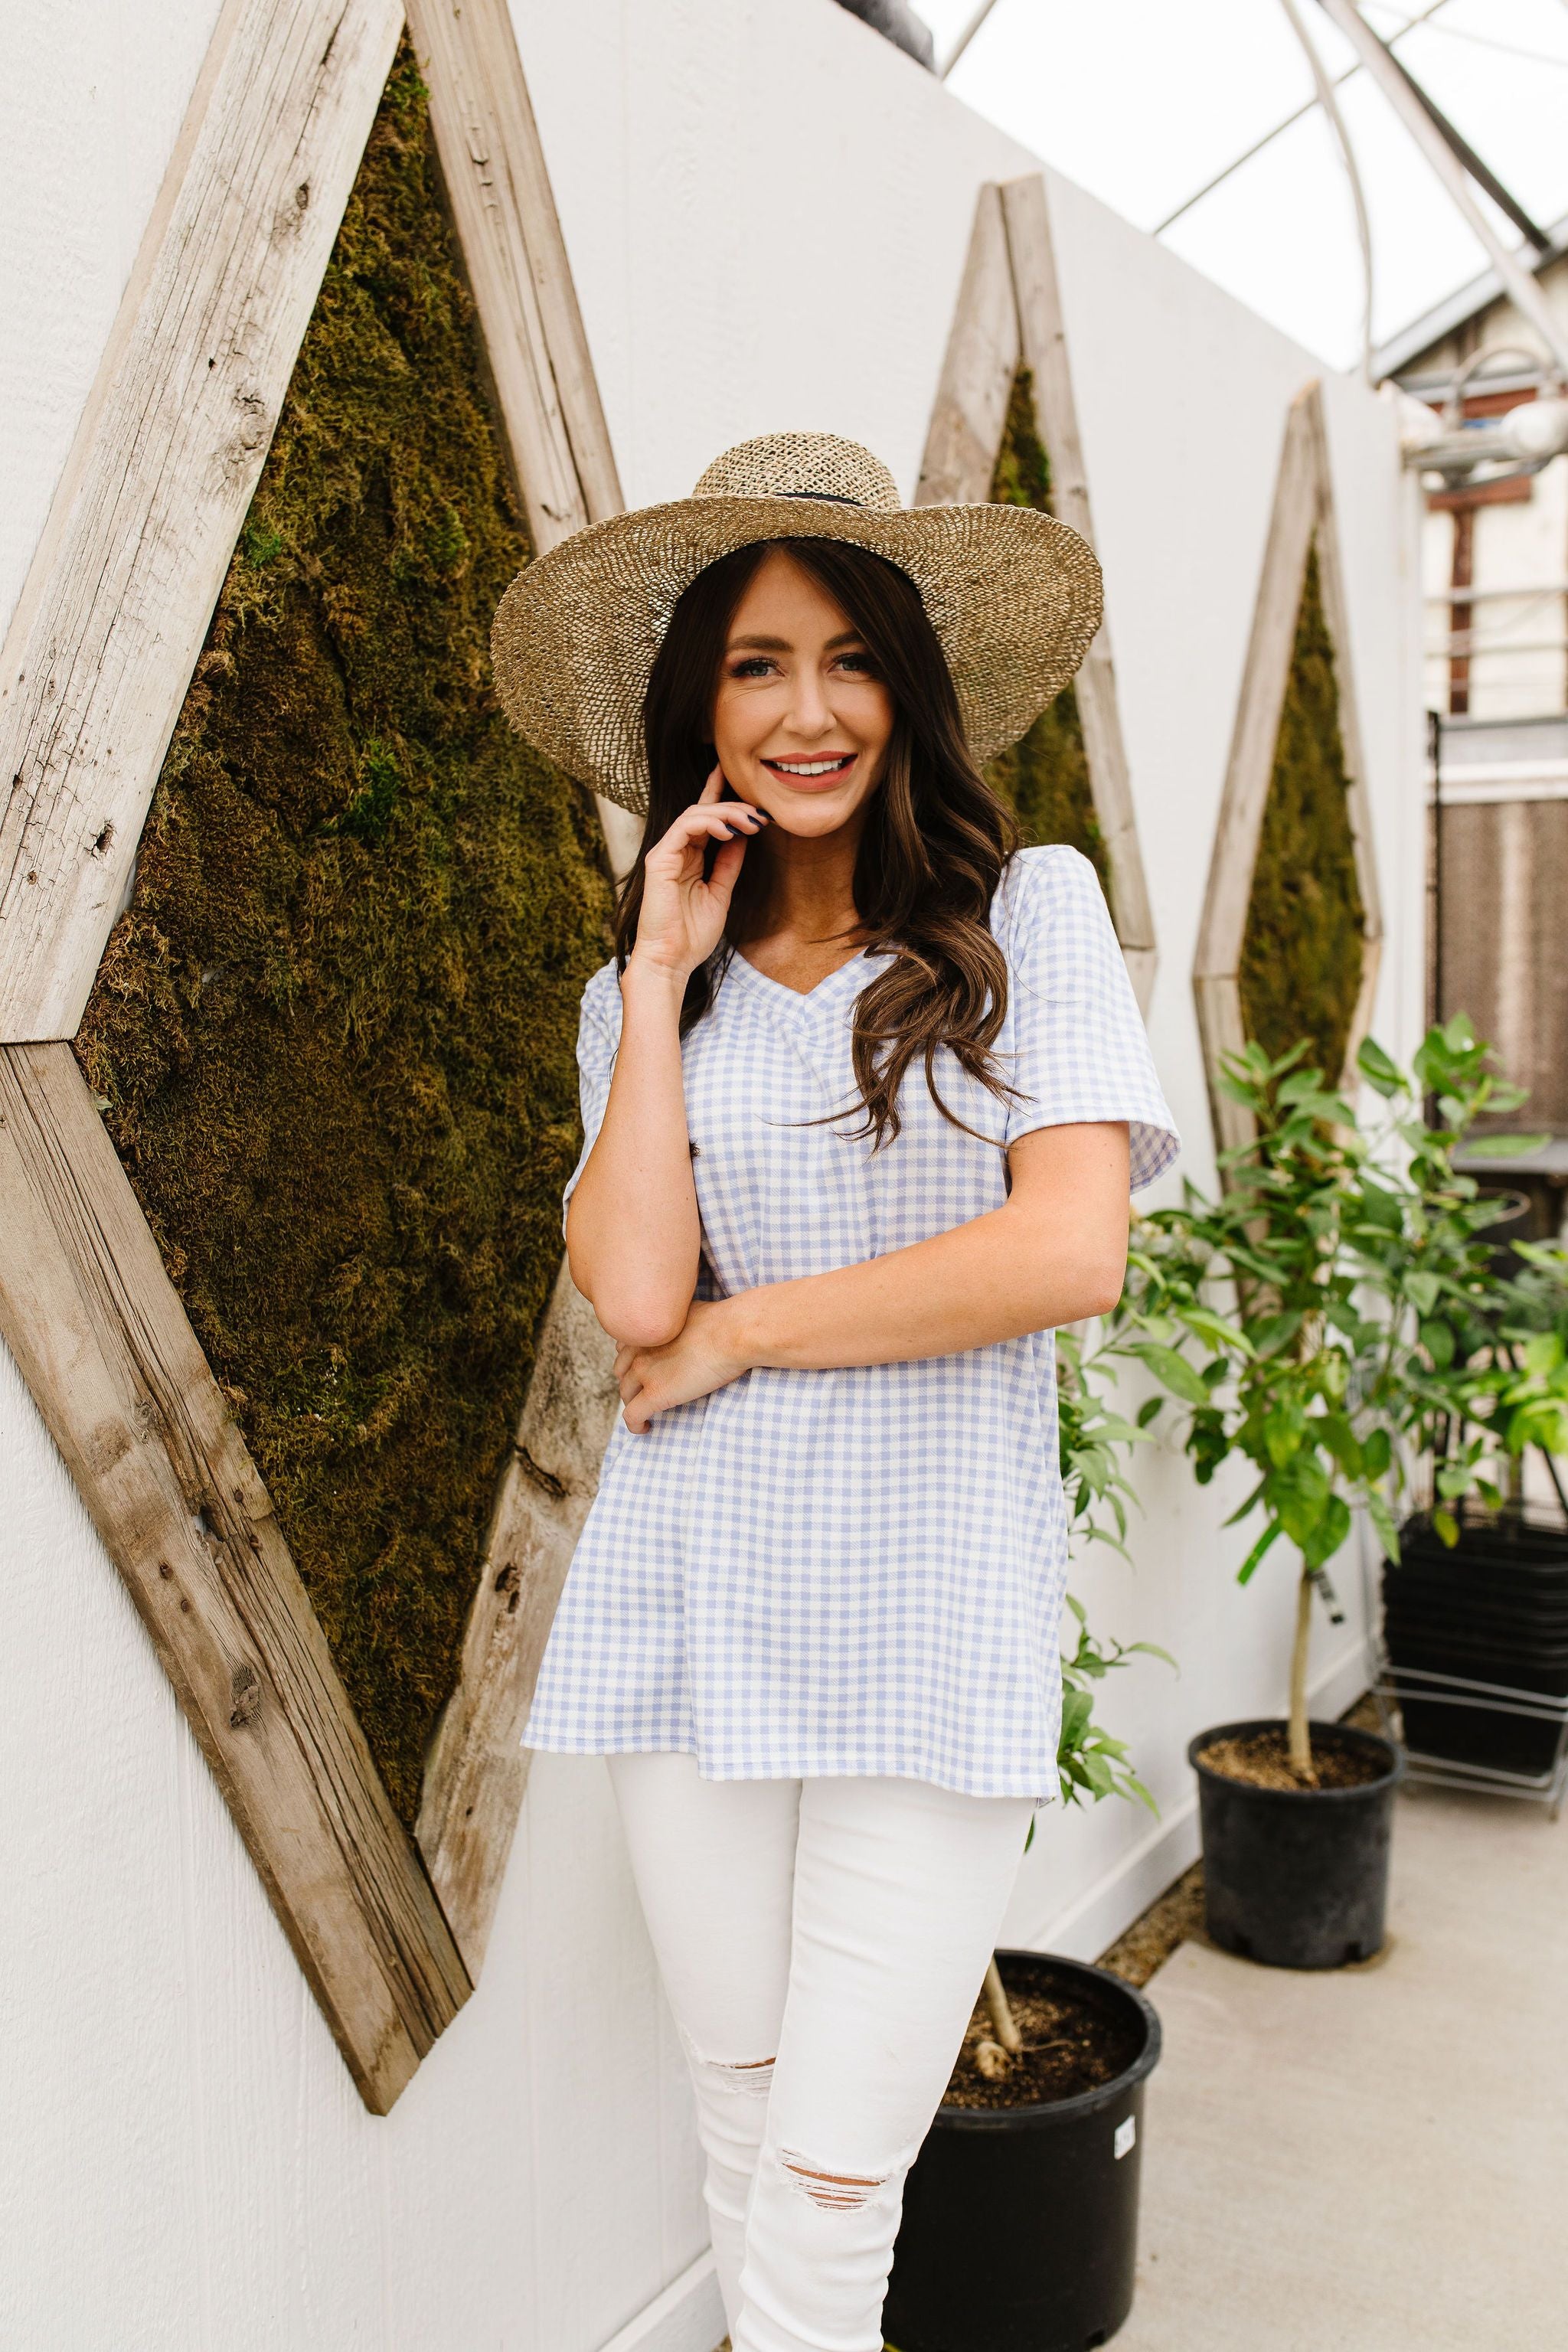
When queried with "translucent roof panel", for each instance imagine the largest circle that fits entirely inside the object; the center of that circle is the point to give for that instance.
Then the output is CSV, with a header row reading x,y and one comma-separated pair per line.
x,y
1146,101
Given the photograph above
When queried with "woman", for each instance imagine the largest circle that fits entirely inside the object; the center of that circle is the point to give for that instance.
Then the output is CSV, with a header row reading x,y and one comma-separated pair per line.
x,y
863,1091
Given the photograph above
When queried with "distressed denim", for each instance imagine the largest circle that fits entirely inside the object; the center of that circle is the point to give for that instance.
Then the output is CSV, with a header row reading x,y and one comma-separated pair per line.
x,y
822,1943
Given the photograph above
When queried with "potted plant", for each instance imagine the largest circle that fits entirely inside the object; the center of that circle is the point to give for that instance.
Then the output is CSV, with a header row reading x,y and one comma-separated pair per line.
x,y
1019,2232
1298,1320
1476,1606
1245,1310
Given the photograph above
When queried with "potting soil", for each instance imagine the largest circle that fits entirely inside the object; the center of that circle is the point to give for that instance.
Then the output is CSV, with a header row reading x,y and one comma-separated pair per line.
x,y
1262,1759
1070,2045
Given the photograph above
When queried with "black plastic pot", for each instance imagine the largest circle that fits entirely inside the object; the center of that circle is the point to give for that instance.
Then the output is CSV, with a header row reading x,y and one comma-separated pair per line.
x,y
1298,1878
1020,2228
1491,1610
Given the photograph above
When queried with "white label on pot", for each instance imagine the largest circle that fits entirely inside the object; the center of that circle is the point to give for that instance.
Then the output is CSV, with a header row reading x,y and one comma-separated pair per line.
x,y
1126,2138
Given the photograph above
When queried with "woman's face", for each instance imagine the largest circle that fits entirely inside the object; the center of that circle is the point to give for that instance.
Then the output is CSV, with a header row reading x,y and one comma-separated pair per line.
x,y
801,721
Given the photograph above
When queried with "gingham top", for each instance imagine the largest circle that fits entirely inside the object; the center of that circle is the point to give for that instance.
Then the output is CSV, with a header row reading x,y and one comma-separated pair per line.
x,y
856,1570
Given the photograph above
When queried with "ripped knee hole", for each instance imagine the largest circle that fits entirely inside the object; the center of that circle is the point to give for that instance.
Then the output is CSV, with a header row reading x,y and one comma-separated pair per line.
x,y
737,2073
835,2192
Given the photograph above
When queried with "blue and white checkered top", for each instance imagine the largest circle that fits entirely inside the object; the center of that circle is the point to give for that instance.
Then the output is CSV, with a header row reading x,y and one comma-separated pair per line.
x,y
856,1570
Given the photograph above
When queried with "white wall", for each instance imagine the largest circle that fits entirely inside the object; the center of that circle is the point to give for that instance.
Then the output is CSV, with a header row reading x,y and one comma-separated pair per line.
x,y
767,210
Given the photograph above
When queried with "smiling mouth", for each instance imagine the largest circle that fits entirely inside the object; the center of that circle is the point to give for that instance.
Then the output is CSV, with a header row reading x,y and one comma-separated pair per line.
x,y
812,771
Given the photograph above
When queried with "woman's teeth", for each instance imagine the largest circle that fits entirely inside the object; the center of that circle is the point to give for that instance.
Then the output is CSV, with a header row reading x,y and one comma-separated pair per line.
x,y
810,767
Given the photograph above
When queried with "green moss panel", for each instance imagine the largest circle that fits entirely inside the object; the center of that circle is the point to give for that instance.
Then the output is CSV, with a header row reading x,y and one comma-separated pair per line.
x,y
1045,776
333,1033
1302,950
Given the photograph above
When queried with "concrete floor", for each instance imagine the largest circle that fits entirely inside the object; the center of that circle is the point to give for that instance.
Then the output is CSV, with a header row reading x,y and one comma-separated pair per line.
x,y
1376,2159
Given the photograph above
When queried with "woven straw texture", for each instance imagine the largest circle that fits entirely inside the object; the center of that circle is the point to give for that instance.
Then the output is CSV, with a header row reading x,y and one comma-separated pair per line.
x,y
1014,597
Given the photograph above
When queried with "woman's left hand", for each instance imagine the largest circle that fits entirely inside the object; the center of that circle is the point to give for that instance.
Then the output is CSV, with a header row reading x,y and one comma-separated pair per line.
x,y
701,1358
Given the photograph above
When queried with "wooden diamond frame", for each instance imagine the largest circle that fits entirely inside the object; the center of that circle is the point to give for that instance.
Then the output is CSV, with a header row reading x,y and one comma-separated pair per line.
x,y
390,1931
1304,513
1009,310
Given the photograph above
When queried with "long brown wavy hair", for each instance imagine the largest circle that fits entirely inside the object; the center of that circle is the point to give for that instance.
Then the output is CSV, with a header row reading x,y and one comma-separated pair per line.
x,y
936,843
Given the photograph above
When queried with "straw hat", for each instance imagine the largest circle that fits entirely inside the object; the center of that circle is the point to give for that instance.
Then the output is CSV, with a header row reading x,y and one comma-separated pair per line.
x,y
1014,597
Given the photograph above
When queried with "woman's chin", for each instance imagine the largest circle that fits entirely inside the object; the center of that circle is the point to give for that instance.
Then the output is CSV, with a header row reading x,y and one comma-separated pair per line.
x,y
811,819
811,814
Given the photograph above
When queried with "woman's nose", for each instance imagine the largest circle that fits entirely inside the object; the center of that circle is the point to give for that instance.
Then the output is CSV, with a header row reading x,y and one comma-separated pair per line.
x,y
811,713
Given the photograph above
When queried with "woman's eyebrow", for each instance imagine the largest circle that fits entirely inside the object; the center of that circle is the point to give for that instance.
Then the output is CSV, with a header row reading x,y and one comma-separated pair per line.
x,y
782,644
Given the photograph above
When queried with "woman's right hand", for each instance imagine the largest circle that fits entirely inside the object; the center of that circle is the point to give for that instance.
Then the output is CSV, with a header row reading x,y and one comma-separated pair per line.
x,y
682,917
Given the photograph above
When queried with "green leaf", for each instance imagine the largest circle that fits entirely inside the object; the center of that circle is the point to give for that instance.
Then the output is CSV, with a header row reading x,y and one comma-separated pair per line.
x,y
1335,1431
1276,1331
1378,1070
1331,1532
1383,1522
1148,1409
1175,1371
1283,1431
1248,1568
1381,1207
1241,1509
1447,1527
1216,1329
1078,1708
1503,1146
1438,1339
1376,1453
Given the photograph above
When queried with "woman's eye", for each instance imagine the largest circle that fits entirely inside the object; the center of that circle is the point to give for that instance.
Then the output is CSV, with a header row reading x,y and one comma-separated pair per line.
x,y
860,665
752,666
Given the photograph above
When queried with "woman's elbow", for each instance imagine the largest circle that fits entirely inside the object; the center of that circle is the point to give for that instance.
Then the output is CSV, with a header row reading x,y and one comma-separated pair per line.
x,y
1104,1289
635,1325
1097,1283
633,1316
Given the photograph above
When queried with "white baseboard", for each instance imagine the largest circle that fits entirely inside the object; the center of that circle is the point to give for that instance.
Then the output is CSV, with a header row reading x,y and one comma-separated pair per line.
x,y
1094,1919
689,2317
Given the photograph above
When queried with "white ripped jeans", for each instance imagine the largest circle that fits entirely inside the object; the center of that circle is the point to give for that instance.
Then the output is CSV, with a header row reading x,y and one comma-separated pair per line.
x,y
822,1943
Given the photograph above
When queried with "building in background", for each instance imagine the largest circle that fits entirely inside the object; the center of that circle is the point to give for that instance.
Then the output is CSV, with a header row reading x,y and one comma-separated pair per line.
x,y
1495,586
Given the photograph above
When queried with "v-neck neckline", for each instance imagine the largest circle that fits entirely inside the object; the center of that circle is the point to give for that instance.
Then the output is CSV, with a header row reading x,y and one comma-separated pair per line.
x,y
798,995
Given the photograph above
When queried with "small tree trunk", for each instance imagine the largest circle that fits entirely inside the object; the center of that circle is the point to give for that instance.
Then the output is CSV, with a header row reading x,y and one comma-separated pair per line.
x,y
1301,1737
1002,2016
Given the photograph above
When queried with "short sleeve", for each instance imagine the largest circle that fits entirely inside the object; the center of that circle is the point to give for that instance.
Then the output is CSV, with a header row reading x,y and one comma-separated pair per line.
x,y
598,1040
1076,1038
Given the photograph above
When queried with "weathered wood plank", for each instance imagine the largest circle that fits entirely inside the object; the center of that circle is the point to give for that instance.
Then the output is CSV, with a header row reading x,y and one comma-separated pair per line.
x,y
1223,1033
506,218
506,223
1265,676
499,191
98,658
970,412
105,1346
475,1776
1303,513
1044,343
1332,581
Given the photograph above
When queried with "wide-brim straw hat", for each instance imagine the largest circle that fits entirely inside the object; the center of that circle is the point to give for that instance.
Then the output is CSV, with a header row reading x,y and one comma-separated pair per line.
x,y
1014,596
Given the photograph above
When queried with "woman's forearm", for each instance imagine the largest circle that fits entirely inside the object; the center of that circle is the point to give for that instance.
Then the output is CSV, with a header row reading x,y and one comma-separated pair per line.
x,y
967,1288
1056,1252
632,1232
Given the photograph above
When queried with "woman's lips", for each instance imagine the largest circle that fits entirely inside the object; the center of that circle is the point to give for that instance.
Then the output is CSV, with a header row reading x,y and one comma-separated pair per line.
x,y
813,775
